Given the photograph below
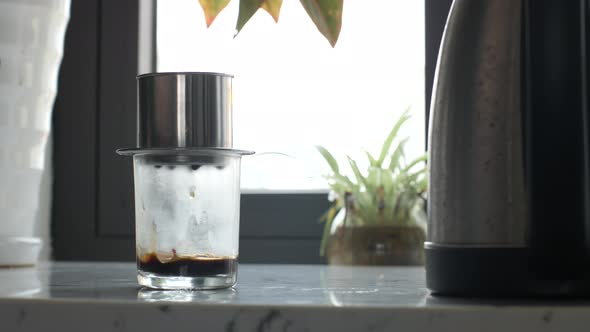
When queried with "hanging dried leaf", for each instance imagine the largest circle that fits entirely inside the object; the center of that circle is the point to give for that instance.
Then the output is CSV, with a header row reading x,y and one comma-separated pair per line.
x,y
327,16
212,8
273,7
249,7
247,10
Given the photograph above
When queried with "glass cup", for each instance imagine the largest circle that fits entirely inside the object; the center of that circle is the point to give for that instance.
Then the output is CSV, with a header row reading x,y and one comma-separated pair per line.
x,y
187,210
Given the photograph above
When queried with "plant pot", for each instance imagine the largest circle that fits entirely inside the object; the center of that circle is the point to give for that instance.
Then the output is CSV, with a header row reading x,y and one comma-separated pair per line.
x,y
376,245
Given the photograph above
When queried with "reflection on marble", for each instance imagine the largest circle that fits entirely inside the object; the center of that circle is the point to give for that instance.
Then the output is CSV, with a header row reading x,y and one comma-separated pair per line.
x,y
293,285
21,282
211,296
257,284
106,297
346,285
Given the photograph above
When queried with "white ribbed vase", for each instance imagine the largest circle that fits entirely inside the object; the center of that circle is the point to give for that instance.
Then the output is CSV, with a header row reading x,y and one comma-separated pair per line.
x,y
31,47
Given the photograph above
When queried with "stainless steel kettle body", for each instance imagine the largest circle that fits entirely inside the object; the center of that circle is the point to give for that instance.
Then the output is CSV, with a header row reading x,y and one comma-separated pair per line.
x,y
508,150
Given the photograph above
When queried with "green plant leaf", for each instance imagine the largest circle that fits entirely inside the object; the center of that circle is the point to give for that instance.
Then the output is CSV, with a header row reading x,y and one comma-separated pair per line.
x,y
247,9
372,160
329,158
273,7
396,156
338,187
357,173
414,176
211,8
365,203
324,216
387,182
341,184
389,140
414,163
347,185
327,17
372,180
423,185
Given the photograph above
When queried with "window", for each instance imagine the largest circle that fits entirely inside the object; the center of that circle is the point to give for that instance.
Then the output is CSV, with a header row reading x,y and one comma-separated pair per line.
x,y
93,188
293,91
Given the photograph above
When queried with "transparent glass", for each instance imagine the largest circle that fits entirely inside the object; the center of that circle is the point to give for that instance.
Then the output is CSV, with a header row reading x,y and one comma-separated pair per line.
x,y
187,210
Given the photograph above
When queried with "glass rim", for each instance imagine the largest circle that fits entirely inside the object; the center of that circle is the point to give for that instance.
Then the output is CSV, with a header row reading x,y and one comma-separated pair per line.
x,y
183,151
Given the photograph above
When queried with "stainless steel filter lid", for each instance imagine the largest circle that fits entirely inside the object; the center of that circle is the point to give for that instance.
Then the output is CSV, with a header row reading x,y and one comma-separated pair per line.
x,y
184,110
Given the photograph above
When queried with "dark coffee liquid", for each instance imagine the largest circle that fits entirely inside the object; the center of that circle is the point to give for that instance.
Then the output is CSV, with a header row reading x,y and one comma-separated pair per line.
x,y
188,266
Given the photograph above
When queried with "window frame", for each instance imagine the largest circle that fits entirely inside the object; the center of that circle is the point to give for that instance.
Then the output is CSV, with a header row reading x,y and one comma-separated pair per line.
x,y
92,214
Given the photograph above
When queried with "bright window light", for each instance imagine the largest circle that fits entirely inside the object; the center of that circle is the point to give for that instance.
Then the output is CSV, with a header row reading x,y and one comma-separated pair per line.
x,y
293,91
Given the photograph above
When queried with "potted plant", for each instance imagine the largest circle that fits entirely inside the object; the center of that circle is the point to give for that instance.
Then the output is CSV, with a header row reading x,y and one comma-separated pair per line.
x,y
377,217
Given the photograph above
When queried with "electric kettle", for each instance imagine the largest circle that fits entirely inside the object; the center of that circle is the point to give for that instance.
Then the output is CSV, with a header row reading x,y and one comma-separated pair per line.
x,y
509,173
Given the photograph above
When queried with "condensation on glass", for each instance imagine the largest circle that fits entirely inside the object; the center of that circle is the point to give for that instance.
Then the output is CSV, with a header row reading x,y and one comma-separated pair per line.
x,y
187,182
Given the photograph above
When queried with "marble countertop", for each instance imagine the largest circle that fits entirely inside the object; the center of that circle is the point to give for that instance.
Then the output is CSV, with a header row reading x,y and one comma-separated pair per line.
x,y
105,297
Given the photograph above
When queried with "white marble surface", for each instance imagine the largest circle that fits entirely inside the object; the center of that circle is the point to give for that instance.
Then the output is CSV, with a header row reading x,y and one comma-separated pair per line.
x,y
105,297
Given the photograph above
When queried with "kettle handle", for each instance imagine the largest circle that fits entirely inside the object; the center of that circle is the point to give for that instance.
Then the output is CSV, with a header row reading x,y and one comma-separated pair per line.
x,y
555,127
